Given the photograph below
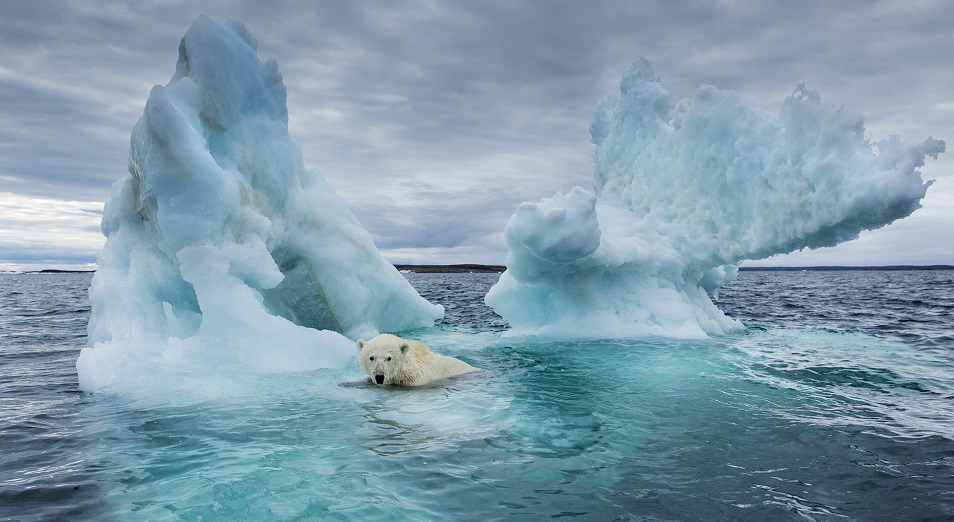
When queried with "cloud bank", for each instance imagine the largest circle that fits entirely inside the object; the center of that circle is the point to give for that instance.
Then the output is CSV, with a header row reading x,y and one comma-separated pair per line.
x,y
434,120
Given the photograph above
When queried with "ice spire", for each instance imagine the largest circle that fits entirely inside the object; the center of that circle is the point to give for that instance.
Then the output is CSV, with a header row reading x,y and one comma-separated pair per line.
x,y
220,245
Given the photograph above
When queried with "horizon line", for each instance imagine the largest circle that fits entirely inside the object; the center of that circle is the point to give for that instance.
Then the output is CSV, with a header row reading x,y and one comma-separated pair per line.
x,y
492,268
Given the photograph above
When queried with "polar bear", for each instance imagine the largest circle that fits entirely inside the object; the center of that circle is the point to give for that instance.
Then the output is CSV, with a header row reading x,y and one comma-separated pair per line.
x,y
388,359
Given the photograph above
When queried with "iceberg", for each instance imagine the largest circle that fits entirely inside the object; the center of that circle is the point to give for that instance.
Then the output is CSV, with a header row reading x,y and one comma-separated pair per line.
x,y
222,251
683,193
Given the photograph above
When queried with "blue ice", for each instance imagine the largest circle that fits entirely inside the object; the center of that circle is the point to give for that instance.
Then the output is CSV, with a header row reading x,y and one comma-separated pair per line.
x,y
683,193
222,250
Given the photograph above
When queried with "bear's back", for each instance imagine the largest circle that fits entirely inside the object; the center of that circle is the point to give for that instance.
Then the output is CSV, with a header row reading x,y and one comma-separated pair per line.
x,y
423,366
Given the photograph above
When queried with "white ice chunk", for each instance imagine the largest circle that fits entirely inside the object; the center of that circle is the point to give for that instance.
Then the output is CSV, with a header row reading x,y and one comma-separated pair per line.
x,y
221,248
684,193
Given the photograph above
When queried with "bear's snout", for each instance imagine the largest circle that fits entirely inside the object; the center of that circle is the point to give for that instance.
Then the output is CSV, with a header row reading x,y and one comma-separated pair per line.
x,y
379,378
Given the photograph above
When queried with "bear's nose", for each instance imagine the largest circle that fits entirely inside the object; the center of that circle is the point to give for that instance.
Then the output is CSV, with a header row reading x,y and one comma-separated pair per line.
x,y
379,379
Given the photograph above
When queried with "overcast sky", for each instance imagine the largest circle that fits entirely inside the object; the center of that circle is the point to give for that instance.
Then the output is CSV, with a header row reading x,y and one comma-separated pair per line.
x,y
434,120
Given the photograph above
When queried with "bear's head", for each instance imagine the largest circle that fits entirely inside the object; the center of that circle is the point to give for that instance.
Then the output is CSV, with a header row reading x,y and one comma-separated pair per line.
x,y
382,357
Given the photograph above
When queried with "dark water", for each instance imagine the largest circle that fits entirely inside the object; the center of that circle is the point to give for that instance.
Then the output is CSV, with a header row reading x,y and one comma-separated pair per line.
x,y
836,403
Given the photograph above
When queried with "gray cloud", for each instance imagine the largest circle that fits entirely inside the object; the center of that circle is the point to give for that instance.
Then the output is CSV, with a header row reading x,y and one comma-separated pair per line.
x,y
434,120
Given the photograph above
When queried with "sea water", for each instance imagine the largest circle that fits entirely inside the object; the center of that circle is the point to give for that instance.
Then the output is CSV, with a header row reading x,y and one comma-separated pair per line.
x,y
836,402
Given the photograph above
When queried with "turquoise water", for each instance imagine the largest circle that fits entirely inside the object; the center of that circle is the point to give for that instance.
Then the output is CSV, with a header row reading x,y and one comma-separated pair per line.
x,y
836,403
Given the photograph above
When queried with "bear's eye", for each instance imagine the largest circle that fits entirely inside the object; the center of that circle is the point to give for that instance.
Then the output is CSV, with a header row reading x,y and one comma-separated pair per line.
x,y
389,357
371,358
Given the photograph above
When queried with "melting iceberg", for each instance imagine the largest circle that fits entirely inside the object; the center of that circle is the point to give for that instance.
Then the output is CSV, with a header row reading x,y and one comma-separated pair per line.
x,y
221,249
684,192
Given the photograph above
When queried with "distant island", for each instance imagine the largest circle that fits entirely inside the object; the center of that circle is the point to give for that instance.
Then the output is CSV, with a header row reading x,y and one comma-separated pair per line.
x,y
446,269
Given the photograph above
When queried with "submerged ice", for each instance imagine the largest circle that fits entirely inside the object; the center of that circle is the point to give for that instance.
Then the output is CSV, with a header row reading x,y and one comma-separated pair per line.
x,y
686,191
221,248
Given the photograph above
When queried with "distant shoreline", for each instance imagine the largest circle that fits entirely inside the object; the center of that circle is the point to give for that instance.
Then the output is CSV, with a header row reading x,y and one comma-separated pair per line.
x,y
448,269
490,269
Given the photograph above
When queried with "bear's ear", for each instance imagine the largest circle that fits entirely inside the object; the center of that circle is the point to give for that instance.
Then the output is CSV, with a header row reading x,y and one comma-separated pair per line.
x,y
360,344
405,347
